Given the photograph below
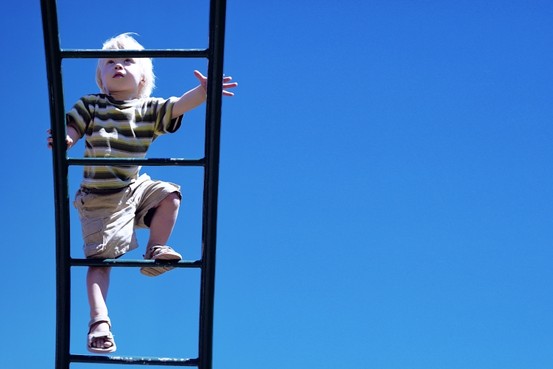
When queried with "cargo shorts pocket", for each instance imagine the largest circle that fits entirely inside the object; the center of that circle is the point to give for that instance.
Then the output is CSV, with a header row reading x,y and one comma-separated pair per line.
x,y
93,236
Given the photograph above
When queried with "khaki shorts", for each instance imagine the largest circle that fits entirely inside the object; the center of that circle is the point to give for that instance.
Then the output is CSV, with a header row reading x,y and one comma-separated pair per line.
x,y
108,221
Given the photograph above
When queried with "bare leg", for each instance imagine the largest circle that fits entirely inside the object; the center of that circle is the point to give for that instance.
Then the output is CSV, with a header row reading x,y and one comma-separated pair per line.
x,y
164,220
97,283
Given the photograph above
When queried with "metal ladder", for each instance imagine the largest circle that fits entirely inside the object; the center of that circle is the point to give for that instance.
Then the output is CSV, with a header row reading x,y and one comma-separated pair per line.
x,y
210,162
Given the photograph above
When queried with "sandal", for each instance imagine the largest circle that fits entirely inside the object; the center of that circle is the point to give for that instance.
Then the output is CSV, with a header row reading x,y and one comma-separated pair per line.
x,y
106,335
159,252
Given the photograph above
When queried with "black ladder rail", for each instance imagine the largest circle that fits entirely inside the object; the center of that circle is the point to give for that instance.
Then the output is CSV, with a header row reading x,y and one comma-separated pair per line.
x,y
61,188
210,163
217,17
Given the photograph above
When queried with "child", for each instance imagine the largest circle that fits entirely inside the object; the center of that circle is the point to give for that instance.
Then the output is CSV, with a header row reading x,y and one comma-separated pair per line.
x,y
122,122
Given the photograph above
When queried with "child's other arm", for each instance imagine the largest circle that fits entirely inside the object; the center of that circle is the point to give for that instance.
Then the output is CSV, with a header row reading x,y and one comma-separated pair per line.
x,y
71,138
197,96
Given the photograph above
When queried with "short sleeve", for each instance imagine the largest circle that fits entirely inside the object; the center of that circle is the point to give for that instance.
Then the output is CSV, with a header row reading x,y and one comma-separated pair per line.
x,y
79,116
164,122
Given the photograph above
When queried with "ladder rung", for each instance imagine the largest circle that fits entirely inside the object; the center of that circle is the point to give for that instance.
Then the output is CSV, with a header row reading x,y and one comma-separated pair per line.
x,y
136,263
134,360
135,161
151,53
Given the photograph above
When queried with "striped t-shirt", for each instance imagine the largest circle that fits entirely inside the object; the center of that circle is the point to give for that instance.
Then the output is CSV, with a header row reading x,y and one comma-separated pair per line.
x,y
119,129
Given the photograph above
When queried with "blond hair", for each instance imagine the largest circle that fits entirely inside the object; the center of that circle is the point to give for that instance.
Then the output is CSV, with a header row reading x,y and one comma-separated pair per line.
x,y
125,41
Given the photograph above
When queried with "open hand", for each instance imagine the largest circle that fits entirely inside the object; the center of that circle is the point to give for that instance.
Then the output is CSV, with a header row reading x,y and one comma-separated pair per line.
x,y
226,83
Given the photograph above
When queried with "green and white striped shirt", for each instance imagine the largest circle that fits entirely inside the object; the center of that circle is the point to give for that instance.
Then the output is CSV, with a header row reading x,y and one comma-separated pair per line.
x,y
119,129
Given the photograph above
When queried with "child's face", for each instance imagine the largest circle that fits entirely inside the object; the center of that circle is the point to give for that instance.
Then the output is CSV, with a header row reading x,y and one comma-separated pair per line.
x,y
122,77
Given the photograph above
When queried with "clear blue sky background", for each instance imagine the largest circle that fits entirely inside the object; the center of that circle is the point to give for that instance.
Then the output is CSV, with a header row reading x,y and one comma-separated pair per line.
x,y
386,193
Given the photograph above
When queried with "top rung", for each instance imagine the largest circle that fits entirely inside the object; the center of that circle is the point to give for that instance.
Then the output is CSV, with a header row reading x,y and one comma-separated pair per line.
x,y
152,53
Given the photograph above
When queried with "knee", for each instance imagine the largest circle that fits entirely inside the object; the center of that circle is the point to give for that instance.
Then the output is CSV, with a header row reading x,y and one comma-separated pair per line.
x,y
172,201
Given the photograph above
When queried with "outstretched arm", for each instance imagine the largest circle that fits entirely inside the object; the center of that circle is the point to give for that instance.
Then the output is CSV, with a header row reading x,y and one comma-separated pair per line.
x,y
197,96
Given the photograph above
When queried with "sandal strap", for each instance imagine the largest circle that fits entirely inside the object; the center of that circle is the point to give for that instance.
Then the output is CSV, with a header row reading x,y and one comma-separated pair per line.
x,y
99,319
102,334
157,250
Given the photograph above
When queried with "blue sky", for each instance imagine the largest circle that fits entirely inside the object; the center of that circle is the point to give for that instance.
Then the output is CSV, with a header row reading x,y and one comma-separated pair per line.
x,y
385,193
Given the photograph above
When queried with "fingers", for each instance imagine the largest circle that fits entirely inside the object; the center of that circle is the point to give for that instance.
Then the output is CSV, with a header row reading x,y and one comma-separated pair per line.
x,y
227,84
49,140
226,79
199,75
230,85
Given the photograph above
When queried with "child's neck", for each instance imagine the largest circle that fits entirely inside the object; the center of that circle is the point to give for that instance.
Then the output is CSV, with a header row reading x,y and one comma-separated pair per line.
x,y
123,95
